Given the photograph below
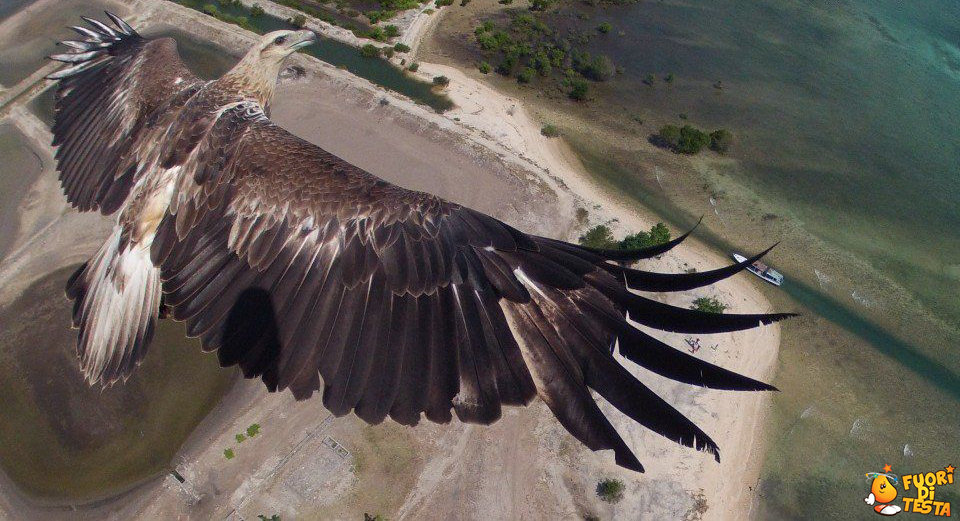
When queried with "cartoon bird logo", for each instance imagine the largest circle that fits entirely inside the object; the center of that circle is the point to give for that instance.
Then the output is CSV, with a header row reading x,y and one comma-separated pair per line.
x,y
883,492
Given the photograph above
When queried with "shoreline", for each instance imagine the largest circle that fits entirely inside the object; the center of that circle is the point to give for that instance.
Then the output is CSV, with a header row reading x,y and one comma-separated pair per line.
x,y
485,121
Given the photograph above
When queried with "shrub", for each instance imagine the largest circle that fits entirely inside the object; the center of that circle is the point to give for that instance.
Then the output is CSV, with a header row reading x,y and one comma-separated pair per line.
x,y
720,140
228,453
388,52
526,75
648,79
599,236
392,31
668,78
256,10
377,34
401,47
463,3
298,21
444,3
540,5
253,430
658,234
441,81
668,136
370,50
551,131
709,305
610,490
579,90
504,2
604,28
485,68
413,67
240,438
692,140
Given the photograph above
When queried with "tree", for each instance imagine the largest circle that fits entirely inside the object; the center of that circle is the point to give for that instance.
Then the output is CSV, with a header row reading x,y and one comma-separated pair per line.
x,y
401,47
610,490
599,236
370,50
392,31
441,81
299,21
720,140
709,305
658,234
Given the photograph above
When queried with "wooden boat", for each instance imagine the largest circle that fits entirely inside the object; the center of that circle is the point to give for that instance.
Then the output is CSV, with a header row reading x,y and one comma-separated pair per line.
x,y
761,270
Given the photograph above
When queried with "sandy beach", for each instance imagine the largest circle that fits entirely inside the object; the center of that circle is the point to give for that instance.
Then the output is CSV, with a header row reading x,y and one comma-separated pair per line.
x,y
487,153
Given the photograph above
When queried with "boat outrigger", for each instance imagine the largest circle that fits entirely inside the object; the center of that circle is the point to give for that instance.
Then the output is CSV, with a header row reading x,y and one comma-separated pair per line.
x,y
761,270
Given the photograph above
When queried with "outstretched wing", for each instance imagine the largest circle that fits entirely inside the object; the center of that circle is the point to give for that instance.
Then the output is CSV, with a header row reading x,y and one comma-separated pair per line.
x,y
114,82
309,272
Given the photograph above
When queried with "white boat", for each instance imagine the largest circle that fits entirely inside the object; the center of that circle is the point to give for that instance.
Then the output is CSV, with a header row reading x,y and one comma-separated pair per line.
x,y
761,270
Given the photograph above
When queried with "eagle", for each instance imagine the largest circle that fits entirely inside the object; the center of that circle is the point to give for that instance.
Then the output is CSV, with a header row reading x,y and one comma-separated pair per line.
x,y
310,273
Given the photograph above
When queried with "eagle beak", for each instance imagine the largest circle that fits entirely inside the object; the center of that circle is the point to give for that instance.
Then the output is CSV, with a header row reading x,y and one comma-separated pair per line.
x,y
302,39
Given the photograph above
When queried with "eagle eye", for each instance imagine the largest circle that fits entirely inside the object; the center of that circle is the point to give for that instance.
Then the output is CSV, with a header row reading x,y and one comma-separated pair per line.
x,y
279,40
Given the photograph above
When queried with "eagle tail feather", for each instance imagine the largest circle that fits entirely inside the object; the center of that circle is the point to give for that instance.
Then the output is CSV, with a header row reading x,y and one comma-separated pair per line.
x,y
117,298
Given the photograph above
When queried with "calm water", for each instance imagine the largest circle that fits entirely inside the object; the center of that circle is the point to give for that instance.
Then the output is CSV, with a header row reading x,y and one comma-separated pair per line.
x,y
846,121
345,56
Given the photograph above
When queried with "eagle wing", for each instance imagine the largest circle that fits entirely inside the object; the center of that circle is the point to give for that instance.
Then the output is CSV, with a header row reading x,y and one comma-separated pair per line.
x,y
311,273
108,100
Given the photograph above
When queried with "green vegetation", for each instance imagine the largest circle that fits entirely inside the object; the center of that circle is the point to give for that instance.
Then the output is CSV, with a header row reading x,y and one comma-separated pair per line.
x,y
240,438
392,31
601,237
441,81
579,89
401,47
298,20
649,79
241,21
413,67
256,10
611,490
658,234
720,140
550,131
709,305
526,75
485,68
604,28
274,517
370,50
526,48
541,5
669,78
389,9
376,517
228,453
691,140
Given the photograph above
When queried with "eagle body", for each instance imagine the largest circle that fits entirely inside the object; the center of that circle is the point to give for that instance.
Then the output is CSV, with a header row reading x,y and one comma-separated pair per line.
x,y
314,275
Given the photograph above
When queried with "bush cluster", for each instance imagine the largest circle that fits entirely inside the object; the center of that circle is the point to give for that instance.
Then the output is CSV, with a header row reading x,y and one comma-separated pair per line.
x,y
601,237
691,140
527,48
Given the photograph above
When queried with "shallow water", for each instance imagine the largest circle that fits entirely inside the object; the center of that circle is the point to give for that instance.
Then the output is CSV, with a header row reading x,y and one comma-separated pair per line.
x,y
847,147
27,46
348,57
18,171
84,442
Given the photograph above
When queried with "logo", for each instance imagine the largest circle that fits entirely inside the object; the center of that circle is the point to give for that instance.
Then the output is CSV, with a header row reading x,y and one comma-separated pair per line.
x,y
919,492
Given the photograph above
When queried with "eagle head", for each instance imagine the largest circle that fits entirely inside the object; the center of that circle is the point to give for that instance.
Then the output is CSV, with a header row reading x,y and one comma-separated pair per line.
x,y
256,73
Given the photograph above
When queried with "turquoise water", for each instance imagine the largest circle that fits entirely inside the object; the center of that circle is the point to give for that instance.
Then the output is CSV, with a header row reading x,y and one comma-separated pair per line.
x,y
846,121
845,113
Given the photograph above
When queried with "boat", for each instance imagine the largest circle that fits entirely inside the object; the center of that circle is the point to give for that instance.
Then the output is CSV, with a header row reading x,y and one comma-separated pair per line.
x,y
761,270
